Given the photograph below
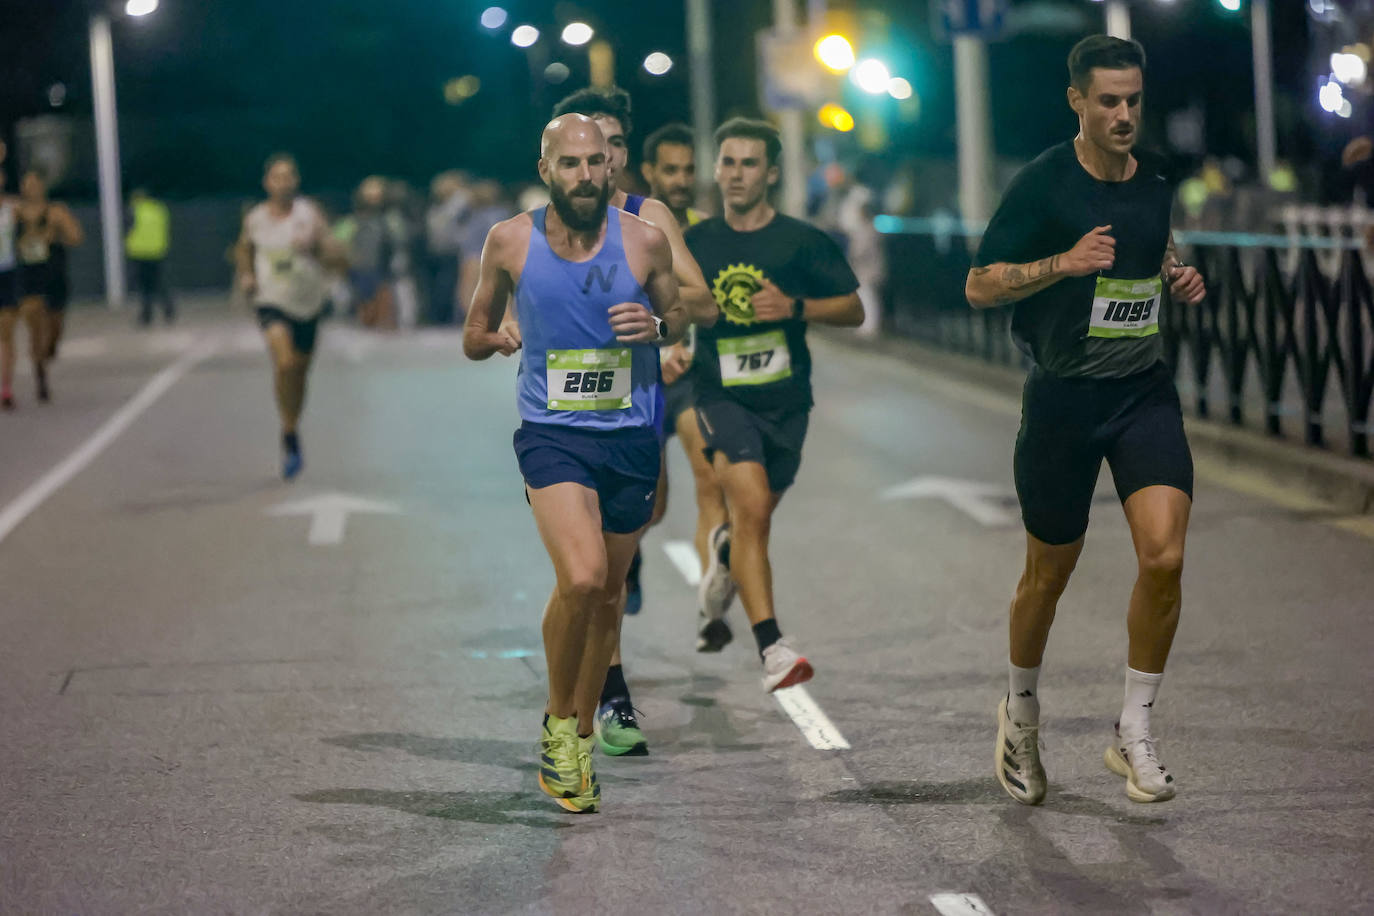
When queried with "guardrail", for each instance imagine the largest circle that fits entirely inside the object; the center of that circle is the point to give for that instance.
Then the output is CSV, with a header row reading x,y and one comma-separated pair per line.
x,y
1284,340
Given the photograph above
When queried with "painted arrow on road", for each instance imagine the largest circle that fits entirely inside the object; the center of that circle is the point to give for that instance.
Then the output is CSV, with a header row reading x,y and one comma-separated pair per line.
x,y
988,504
329,514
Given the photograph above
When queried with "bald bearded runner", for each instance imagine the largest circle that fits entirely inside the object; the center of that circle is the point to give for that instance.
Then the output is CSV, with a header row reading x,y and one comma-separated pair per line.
x,y
596,295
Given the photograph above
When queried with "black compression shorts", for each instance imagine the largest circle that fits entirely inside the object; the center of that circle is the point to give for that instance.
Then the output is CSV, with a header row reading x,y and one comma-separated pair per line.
x,y
1068,425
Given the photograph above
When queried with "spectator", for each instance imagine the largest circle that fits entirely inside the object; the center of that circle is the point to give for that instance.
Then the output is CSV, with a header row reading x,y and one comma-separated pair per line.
x,y
448,199
146,245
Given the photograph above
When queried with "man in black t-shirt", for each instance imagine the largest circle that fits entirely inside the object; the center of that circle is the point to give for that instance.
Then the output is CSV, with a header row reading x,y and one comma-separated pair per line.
x,y
770,274
1081,245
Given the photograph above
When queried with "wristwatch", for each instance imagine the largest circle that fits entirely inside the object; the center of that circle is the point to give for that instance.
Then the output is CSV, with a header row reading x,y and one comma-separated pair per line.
x,y
660,327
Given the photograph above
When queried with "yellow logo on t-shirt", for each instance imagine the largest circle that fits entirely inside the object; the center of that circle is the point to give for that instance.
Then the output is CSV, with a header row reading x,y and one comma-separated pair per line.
x,y
734,290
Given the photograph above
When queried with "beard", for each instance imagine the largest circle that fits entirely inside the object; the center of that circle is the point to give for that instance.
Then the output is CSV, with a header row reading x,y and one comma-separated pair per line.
x,y
564,204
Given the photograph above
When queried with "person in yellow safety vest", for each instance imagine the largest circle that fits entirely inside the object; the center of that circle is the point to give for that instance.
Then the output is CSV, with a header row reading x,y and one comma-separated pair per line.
x,y
146,245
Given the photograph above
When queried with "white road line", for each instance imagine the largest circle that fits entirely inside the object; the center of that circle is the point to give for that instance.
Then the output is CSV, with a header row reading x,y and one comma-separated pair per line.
x,y
960,905
684,557
77,461
811,719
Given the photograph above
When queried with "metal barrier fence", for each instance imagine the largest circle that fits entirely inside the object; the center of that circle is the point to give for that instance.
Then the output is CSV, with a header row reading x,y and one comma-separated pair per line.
x,y
1284,340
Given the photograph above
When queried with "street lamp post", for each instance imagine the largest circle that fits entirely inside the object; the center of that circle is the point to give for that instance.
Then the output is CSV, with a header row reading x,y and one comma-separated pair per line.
x,y
107,154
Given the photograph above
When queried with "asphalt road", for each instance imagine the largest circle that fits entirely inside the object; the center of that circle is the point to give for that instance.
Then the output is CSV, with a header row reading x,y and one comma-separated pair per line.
x,y
221,695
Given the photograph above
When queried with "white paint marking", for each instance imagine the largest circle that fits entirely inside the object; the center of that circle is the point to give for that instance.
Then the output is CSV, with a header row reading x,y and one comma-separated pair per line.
x,y
960,905
811,719
111,430
329,514
684,557
85,347
985,503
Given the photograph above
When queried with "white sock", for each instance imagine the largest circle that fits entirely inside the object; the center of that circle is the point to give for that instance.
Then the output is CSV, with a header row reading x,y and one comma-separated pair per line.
x,y
1023,702
1141,689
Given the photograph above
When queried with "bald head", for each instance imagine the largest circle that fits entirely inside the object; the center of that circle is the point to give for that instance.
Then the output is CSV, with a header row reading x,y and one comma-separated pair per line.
x,y
570,130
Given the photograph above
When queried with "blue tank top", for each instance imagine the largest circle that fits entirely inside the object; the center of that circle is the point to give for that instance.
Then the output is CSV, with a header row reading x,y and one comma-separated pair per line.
x,y
597,381
633,202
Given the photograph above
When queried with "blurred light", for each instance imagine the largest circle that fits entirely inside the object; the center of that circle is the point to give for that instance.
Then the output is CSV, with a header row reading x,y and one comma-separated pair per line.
x,y
57,94
457,91
1348,68
835,53
1345,109
833,116
524,36
871,75
1231,6
1329,96
493,17
577,33
557,72
658,63
140,7
898,88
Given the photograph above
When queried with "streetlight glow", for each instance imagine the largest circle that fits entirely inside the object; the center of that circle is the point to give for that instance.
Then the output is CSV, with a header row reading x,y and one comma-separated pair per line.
x,y
140,7
1348,68
871,76
1231,6
524,36
493,17
899,88
835,53
577,34
835,117
658,63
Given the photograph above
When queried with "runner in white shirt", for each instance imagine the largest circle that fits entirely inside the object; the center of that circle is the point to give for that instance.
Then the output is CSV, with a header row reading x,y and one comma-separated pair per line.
x,y
280,267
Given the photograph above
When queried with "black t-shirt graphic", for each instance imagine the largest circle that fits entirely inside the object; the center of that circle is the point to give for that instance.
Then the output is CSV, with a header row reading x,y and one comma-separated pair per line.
x,y
763,365
1052,203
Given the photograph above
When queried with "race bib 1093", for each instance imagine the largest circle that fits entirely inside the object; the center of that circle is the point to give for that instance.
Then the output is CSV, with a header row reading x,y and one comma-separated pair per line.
x,y
1126,308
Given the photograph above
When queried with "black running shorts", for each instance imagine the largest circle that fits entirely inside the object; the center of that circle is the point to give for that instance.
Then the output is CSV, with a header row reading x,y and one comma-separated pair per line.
x,y
679,396
302,332
772,438
1068,425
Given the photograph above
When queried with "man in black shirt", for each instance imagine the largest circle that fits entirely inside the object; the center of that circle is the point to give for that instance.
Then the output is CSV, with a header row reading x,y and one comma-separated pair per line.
x,y
770,275
1081,245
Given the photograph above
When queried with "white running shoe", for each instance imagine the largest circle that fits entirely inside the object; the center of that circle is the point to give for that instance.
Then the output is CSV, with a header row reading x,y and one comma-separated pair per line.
x,y
1146,778
783,667
717,589
1018,759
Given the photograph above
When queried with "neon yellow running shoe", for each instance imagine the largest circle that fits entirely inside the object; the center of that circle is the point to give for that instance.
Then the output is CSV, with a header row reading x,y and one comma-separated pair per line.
x,y
565,766
617,730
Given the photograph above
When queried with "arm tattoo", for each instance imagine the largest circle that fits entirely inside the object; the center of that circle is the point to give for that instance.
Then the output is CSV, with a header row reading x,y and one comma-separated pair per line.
x,y
1017,278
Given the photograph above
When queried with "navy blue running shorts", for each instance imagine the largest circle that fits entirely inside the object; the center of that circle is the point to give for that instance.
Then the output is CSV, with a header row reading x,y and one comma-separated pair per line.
x,y
1068,425
621,465
679,396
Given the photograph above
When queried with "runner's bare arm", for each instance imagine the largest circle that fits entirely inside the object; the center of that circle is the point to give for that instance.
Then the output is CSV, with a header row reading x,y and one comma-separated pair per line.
x,y
69,231
630,321
482,333
1185,282
243,261
692,289
841,311
1002,283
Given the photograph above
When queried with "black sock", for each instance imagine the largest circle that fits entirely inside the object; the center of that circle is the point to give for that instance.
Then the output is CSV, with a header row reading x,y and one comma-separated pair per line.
x,y
766,633
615,687
290,442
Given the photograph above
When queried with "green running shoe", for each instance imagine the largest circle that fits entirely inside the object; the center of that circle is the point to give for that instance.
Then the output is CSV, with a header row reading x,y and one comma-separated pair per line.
x,y
617,730
565,766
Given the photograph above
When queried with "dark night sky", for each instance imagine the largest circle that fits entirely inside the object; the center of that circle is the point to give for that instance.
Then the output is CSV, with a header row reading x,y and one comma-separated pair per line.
x,y
207,88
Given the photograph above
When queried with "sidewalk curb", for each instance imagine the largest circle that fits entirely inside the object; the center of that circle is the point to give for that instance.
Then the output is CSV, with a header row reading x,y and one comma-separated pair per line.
x,y
1347,484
